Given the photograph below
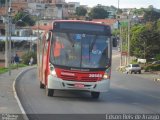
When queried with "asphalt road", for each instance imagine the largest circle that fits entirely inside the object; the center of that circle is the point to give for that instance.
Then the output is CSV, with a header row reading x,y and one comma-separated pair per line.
x,y
128,94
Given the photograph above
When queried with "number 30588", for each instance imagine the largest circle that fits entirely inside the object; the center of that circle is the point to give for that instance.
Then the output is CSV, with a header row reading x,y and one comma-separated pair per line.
x,y
95,75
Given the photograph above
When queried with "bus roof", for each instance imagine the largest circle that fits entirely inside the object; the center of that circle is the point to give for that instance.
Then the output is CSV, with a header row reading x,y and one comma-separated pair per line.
x,y
81,26
81,21
97,28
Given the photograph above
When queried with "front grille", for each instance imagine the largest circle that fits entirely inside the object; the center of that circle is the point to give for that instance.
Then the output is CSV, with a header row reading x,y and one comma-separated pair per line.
x,y
79,77
65,77
87,79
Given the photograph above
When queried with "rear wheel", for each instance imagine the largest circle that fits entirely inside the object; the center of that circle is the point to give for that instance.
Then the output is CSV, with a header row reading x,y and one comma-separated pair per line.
x,y
42,86
95,95
140,72
49,92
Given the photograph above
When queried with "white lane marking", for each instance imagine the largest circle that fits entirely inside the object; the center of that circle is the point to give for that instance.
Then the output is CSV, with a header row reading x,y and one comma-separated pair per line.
x,y
16,96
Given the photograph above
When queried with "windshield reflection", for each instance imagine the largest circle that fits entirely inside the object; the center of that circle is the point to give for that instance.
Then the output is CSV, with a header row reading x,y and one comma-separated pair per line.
x,y
79,50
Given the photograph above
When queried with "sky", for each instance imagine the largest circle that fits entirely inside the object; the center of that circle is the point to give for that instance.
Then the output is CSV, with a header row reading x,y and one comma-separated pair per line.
x,y
122,3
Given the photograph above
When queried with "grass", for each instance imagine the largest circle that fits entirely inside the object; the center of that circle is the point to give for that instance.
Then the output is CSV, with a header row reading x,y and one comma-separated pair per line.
x,y
3,70
13,66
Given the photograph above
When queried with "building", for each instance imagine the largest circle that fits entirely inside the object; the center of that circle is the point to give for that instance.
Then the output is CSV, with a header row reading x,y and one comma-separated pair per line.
x,y
43,9
112,11
72,7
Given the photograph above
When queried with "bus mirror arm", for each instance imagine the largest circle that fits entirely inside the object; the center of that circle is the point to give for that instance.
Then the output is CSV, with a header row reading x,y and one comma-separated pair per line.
x,y
114,42
48,35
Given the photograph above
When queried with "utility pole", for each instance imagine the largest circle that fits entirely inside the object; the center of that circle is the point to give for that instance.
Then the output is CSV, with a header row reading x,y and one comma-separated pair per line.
x,y
129,26
6,34
9,52
10,34
120,36
38,26
118,4
121,45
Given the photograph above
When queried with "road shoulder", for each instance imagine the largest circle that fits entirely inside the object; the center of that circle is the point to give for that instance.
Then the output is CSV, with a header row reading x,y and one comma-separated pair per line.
x,y
8,103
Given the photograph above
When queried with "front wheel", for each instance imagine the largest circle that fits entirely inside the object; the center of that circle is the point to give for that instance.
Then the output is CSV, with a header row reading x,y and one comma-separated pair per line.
x,y
49,92
95,95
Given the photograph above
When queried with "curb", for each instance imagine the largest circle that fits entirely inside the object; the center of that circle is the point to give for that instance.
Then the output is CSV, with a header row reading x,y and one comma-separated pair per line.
x,y
24,115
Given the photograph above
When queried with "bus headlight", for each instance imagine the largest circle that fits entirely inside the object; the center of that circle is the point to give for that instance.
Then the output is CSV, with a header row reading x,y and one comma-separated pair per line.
x,y
106,76
53,73
52,70
107,73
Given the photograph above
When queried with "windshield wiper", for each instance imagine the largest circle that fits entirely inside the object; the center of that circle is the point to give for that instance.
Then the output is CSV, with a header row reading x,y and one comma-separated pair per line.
x,y
92,44
70,39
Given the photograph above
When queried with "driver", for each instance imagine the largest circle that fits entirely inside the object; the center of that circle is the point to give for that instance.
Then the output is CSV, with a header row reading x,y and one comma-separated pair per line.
x,y
58,46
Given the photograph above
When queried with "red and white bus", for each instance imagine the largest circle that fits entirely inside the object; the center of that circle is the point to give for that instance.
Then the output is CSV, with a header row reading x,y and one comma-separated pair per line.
x,y
75,55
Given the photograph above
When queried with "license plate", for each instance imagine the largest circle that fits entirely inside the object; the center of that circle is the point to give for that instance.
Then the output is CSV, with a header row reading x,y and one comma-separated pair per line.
x,y
78,85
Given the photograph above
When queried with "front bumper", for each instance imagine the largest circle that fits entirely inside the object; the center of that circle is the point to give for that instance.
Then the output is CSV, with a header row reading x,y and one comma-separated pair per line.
x,y
57,83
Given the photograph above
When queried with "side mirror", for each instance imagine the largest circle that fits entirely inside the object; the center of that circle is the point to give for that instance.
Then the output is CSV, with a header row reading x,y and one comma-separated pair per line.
x,y
48,35
114,42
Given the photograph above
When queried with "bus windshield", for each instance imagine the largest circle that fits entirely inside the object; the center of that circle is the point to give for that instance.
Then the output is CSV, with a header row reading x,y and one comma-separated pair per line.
x,y
80,50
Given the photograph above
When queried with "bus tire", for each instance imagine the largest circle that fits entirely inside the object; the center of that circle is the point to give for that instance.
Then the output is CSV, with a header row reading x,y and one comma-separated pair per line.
x,y
95,95
42,86
49,92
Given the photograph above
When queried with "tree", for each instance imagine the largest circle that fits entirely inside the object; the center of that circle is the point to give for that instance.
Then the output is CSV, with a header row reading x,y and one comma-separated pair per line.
x,y
98,12
158,25
139,11
119,11
81,11
145,41
151,15
23,19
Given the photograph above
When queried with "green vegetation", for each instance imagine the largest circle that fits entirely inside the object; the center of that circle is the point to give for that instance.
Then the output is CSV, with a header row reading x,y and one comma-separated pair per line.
x,y
26,19
3,70
152,68
13,66
144,35
157,56
25,61
139,11
151,15
27,56
145,41
81,11
134,62
98,12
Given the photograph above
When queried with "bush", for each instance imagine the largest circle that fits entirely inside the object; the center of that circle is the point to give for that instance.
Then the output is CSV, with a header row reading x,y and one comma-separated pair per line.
x,y
27,56
158,57
152,68
3,70
13,66
134,62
